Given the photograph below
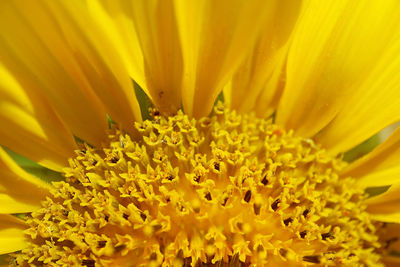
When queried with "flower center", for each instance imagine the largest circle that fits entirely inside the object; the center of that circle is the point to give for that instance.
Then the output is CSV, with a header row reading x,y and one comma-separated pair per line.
x,y
225,188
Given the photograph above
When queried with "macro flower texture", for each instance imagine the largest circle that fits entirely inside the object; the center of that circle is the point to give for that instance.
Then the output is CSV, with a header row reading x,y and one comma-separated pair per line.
x,y
199,133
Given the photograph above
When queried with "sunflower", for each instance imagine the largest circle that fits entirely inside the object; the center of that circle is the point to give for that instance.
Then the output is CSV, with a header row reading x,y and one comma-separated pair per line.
x,y
199,133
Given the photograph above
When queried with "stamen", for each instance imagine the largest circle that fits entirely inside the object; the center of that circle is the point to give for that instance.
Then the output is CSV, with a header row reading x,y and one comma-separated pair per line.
x,y
227,188
313,259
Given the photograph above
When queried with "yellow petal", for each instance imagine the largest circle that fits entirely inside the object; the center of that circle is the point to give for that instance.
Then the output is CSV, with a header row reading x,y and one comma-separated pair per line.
x,y
30,126
255,84
115,19
216,36
146,33
379,167
393,217
386,206
19,191
182,52
102,64
392,194
11,234
46,49
331,54
157,33
380,178
374,106
268,99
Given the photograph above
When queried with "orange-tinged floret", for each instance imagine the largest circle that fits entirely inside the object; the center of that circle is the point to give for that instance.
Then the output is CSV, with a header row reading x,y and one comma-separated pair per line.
x,y
227,188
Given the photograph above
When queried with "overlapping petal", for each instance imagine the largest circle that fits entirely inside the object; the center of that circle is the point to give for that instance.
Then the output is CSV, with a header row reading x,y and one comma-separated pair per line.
x,y
30,126
216,36
19,191
188,49
11,234
386,207
379,167
373,106
47,47
336,45
257,84
101,63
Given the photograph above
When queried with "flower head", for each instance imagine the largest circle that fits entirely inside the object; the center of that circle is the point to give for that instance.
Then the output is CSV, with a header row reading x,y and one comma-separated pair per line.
x,y
240,160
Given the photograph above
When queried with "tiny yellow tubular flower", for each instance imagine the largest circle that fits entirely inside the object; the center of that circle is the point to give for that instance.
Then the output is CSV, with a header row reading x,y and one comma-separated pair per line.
x,y
248,189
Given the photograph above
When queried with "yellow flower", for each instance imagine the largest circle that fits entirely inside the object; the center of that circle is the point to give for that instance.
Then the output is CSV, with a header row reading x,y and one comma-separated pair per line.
x,y
255,178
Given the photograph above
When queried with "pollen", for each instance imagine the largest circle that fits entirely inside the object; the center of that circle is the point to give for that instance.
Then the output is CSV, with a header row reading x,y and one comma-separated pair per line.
x,y
227,189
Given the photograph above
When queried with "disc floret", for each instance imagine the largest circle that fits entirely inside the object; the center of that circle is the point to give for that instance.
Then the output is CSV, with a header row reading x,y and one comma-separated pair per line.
x,y
225,188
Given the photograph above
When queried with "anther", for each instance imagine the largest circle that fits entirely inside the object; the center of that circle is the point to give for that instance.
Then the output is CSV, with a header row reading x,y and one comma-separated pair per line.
x,y
303,234
274,206
312,259
257,209
216,166
287,221
101,244
305,213
247,196
326,236
264,181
